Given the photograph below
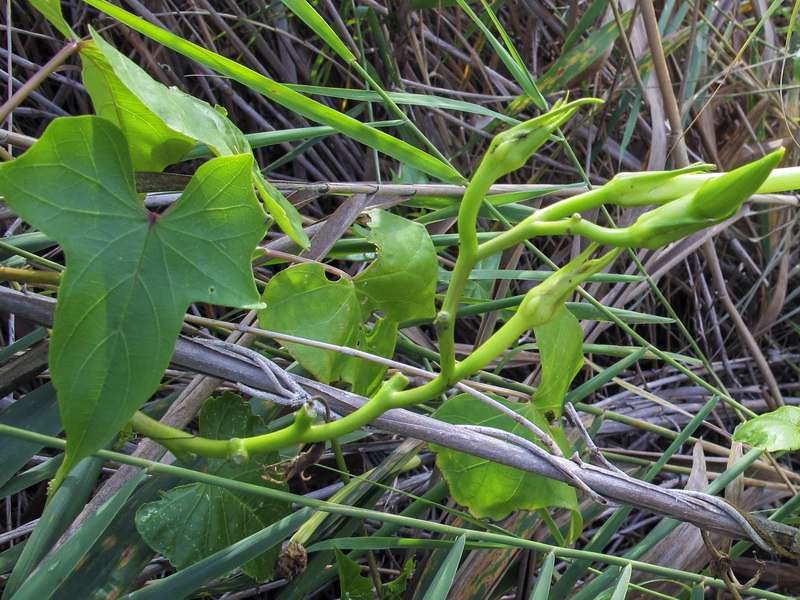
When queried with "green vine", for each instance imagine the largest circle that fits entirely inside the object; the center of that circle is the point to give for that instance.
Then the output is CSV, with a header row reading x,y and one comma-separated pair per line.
x,y
687,206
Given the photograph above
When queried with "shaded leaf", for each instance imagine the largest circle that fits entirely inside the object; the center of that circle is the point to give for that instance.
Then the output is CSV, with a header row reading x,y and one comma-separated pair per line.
x,y
130,274
395,589
194,521
353,585
36,411
772,432
301,301
490,490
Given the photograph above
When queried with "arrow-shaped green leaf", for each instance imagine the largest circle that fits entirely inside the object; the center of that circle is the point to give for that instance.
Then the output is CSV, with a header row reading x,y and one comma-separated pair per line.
x,y
130,273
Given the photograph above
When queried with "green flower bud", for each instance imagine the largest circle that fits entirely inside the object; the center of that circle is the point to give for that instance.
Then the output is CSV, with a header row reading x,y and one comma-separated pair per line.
x,y
511,149
654,187
716,201
542,303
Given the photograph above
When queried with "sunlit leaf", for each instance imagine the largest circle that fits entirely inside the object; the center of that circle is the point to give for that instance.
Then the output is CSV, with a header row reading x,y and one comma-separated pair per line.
x,y
561,350
402,281
772,432
363,313
51,10
490,490
152,144
198,120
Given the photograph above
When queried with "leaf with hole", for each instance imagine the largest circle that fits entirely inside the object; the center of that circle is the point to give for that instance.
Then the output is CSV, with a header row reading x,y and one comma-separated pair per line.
x,y
131,273
194,521
363,313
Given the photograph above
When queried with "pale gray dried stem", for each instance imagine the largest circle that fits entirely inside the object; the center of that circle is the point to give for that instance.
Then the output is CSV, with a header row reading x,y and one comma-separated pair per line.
x,y
699,509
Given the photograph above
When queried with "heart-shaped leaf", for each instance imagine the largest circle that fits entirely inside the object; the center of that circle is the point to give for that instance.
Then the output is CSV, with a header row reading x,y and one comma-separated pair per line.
x,y
488,489
131,273
193,521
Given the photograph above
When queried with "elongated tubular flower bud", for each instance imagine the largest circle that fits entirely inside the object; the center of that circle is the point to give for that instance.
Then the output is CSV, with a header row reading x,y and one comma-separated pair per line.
x,y
715,201
542,303
511,149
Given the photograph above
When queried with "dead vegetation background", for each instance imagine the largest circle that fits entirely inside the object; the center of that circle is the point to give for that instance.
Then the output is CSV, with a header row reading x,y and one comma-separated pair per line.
x,y
736,293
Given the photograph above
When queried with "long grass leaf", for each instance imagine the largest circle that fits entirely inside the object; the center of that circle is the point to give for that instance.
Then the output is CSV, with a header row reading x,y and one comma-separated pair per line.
x,y
311,109
440,587
44,583
541,589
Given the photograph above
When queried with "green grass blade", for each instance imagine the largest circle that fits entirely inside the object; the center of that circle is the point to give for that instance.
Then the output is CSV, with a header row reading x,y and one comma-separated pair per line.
x,y
621,588
319,26
313,19
36,411
507,54
405,98
44,584
185,582
287,97
444,578
59,514
541,590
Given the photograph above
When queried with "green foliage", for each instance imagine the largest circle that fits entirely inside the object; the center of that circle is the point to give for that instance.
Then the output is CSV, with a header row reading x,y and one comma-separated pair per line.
x,y
353,585
185,116
194,521
776,431
560,345
491,490
363,313
51,10
294,101
131,273
152,144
